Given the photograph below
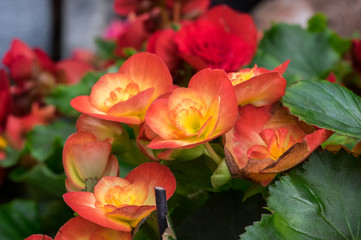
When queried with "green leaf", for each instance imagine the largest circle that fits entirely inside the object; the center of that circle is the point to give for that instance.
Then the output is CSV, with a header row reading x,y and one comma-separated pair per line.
x,y
12,157
317,23
338,139
221,176
42,182
320,201
311,54
18,220
43,140
192,175
223,216
63,94
326,105
105,48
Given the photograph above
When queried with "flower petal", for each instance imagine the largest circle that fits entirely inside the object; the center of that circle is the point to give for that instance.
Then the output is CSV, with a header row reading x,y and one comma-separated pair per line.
x,y
83,105
264,89
210,83
83,203
149,71
244,135
81,229
298,152
156,175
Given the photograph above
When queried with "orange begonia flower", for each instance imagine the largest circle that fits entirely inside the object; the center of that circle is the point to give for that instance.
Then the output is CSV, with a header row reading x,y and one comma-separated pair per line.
x,y
79,228
121,203
125,96
190,116
38,237
262,143
259,86
84,157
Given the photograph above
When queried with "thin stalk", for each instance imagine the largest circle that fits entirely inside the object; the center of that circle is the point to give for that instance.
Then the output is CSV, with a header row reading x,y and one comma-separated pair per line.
x,y
217,159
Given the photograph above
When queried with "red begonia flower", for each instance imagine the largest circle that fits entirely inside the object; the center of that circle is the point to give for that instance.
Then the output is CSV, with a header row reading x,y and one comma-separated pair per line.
x,y
190,116
71,71
259,86
262,143
134,35
119,203
221,38
5,99
16,127
162,44
125,96
356,55
25,63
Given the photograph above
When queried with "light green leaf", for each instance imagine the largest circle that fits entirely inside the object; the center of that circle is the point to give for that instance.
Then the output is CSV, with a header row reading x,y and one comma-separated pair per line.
x,y
321,201
326,105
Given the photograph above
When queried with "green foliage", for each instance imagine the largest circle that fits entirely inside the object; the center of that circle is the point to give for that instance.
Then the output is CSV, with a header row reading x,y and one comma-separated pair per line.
x,y
221,176
105,48
325,105
192,176
317,23
311,53
223,216
63,94
18,220
41,181
42,140
338,139
320,201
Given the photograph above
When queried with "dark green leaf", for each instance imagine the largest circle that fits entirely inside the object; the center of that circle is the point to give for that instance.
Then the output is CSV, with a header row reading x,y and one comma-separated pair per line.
x,y
42,182
223,216
311,54
192,176
321,201
54,214
325,105
63,94
12,156
43,140
18,220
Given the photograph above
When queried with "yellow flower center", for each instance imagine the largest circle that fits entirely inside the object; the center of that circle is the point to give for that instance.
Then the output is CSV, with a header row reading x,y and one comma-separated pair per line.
x,y
3,143
188,115
121,94
276,141
242,76
133,194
